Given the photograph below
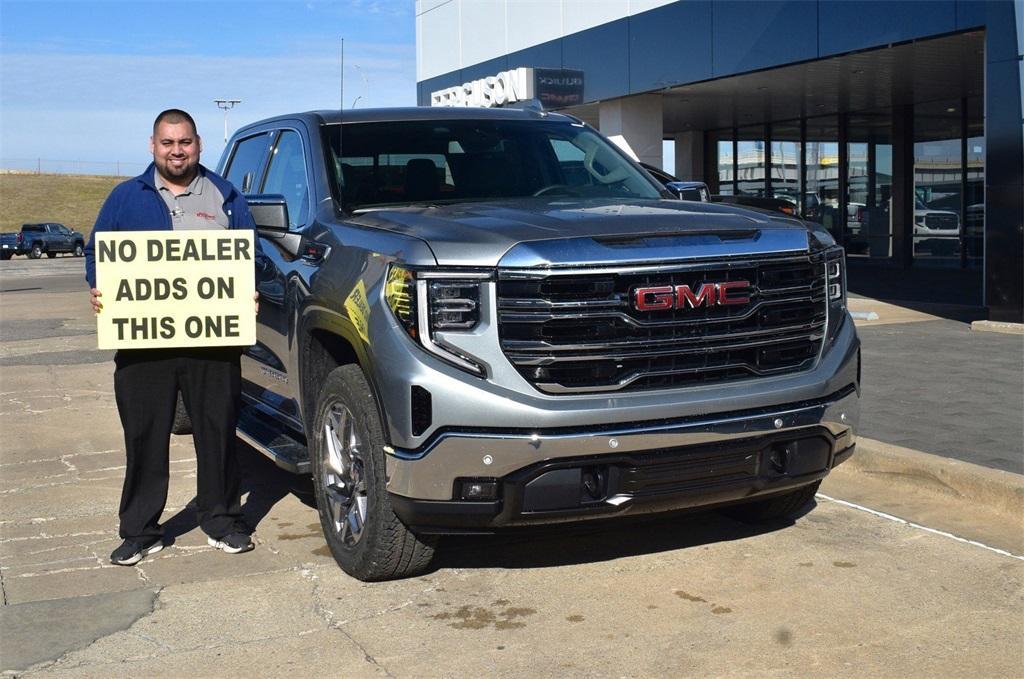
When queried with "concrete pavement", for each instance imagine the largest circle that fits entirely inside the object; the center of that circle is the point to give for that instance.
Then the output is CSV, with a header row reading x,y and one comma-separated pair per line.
x,y
932,384
840,592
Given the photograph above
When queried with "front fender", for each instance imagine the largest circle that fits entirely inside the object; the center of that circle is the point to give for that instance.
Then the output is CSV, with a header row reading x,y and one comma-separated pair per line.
x,y
327,338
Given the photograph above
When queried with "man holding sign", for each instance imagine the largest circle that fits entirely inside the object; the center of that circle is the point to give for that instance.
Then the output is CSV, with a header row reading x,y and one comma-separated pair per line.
x,y
173,251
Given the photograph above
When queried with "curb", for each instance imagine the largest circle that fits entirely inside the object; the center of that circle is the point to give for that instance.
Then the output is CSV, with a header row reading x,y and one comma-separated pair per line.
x,y
996,489
996,326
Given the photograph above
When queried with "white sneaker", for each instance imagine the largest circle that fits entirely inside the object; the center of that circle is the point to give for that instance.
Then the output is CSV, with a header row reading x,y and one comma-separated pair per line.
x,y
233,543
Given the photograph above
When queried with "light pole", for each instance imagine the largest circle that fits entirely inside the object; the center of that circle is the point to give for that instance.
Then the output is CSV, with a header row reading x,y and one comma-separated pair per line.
x,y
226,105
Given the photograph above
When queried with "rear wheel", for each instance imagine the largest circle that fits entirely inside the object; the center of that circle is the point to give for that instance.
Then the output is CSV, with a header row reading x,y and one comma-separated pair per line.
x,y
79,250
774,508
36,252
5,255
347,450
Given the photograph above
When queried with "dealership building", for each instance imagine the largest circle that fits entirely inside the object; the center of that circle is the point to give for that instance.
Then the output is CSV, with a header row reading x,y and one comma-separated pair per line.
x,y
896,125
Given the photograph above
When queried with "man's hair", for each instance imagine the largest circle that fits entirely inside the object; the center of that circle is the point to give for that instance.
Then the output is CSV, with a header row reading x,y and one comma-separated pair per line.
x,y
175,116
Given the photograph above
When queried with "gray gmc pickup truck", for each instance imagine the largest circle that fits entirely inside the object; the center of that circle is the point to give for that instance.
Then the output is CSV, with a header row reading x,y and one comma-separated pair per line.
x,y
478,319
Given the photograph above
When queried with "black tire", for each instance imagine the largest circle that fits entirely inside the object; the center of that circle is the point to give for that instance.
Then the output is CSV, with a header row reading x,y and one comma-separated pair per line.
x,y
182,422
51,255
36,252
774,508
6,255
79,250
353,486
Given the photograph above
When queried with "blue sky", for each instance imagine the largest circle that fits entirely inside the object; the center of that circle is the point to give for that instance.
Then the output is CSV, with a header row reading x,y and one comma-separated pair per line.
x,y
84,80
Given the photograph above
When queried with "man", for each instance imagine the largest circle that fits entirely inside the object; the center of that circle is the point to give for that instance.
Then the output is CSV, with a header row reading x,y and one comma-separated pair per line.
x,y
175,192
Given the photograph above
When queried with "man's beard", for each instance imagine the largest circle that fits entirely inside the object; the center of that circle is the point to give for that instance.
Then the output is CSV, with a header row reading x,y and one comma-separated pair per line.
x,y
171,172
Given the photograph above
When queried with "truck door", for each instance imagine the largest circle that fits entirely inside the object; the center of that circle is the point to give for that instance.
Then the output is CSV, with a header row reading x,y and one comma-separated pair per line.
x,y
244,169
63,237
281,280
53,237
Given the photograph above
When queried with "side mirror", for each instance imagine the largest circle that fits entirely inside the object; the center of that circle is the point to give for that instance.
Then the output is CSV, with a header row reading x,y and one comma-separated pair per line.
x,y
270,212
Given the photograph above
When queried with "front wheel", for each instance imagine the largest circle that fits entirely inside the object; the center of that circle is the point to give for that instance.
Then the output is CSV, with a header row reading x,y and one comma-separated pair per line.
x,y
51,255
365,537
774,508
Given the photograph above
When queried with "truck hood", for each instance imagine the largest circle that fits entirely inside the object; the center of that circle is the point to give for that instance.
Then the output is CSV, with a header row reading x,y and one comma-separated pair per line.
x,y
528,232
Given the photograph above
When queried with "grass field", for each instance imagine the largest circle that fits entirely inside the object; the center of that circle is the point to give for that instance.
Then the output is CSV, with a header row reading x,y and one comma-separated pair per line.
x,y
72,200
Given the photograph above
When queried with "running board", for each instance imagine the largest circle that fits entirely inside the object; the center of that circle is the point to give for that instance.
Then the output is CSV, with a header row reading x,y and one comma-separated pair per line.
x,y
286,452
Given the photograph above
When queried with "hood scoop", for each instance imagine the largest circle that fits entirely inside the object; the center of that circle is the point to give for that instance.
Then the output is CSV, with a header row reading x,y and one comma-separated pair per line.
x,y
656,248
682,239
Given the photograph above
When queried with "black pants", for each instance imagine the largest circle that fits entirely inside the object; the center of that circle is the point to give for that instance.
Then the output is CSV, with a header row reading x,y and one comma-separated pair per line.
x,y
146,384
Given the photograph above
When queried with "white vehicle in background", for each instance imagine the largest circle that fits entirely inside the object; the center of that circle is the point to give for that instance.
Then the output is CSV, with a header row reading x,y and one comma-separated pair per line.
x,y
935,231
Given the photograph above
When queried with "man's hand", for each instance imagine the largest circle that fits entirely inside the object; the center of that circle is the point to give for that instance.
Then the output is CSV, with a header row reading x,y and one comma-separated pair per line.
x,y
256,298
94,298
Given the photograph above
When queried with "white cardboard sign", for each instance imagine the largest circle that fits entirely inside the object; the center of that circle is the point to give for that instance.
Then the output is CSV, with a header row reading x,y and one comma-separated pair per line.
x,y
164,289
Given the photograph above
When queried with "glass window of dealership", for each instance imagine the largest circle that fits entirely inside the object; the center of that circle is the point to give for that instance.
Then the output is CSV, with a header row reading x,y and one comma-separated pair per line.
x,y
895,125
837,170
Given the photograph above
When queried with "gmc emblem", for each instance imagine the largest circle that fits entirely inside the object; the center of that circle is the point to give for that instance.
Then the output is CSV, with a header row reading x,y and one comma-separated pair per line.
x,y
663,297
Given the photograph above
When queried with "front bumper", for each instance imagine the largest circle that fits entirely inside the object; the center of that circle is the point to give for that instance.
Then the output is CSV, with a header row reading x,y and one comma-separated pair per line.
x,y
689,462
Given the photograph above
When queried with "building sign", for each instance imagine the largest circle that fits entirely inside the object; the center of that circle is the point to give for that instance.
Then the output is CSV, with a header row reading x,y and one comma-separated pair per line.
x,y
554,87
506,87
558,87
164,289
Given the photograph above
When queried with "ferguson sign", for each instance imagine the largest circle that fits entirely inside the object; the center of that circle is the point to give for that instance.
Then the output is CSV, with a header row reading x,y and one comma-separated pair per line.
x,y
553,87
506,87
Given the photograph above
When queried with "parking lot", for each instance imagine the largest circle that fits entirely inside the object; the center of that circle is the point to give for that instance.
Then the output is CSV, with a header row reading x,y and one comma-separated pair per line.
x,y
839,592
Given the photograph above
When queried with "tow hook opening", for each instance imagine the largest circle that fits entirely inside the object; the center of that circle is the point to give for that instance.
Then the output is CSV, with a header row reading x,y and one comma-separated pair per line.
x,y
797,457
595,484
570,488
779,456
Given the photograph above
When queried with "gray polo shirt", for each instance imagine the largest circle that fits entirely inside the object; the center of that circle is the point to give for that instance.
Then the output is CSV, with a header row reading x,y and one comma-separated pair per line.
x,y
201,206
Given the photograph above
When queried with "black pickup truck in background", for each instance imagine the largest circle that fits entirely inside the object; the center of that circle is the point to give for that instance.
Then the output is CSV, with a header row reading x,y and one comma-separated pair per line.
x,y
46,237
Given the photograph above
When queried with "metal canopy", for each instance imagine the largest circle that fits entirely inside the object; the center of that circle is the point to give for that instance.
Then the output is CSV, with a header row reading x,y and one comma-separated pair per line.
x,y
944,68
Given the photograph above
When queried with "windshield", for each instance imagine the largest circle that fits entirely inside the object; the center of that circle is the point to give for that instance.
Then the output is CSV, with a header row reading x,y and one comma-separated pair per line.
x,y
396,163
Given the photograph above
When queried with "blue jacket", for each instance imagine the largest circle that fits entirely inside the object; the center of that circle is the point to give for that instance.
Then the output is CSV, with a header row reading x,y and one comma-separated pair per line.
x,y
136,205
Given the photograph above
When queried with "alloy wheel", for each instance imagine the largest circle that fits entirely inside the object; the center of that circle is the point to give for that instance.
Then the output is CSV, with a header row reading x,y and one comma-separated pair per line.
x,y
342,475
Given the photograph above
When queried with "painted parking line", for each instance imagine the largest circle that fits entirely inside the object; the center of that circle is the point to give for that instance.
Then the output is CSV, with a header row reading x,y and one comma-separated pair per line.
x,y
942,533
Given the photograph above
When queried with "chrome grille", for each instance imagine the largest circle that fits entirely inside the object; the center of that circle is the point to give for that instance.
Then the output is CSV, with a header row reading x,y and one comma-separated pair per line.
x,y
940,221
578,331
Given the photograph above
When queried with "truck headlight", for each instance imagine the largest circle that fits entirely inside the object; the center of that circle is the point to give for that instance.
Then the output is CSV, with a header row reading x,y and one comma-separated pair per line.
x,y
400,295
427,303
454,304
836,279
835,289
